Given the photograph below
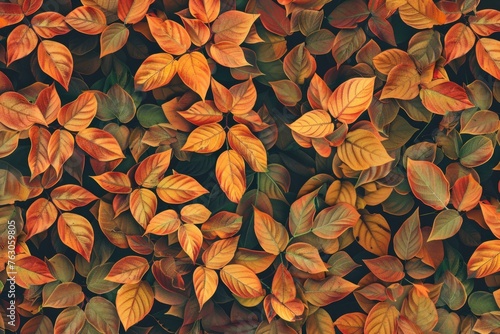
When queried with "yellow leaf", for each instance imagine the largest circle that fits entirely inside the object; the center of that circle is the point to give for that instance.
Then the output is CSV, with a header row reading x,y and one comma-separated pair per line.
x,y
373,233
190,239
228,54
241,281
421,14
143,204
134,302
402,83
420,309
272,236
243,141
230,173
156,71
194,72
314,124
382,319
78,115
207,138
179,188
351,98
485,260
305,257
205,283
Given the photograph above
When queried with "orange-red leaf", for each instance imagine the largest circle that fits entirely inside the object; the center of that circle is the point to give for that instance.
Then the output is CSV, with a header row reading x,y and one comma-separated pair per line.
x,y
351,323
195,214
132,11
39,217
56,61
228,54
151,170
230,173
64,295
128,270
17,113
305,257
77,233
61,146
488,56
99,144
77,115
194,71
87,20
421,14
388,268
49,24
10,14
458,41
351,98
49,103
190,239
156,71
70,196
164,223
114,182
328,290
134,302
241,281
243,98
485,22
205,282
205,10
179,188
445,97
318,93
428,183
38,158
243,141
466,193
20,43
32,271
485,260
233,26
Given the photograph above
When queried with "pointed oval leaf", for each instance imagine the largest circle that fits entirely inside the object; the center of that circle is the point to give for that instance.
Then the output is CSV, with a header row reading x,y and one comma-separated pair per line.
x,y
287,92
61,147
314,124
476,151
151,170
56,61
194,71
420,309
485,22
230,173
351,323
156,71
190,239
421,14
328,290
70,196
205,10
21,42
373,233
485,260
143,204
39,217
128,270
220,253
49,24
10,14
382,319
179,188
99,144
488,56
458,41
17,113
388,268
32,271
170,35
205,282
445,97
102,315
428,183
241,281
134,302
243,141
113,38
233,26
132,11
408,239
228,54
402,83
71,319
77,233
305,257
331,222
38,157
271,235
351,99
164,223
87,20
64,295
207,138
78,115
114,182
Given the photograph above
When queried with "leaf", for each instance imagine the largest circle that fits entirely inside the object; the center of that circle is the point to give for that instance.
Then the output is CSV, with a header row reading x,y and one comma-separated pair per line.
x,y
466,193
351,323
491,217
190,239
64,295
445,97
305,257
402,83
70,196
428,183
351,98
242,140
9,141
179,188
156,71
446,224
223,98
69,320
207,138
328,290
202,113
241,281
164,223
17,113
233,26
49,24
385,61
220,253
114,182
49,103
205,10
87,20
485,22
77,233
151,170
272,236
348,14
382,319
143,204
458,41
170,35
230,173
420,310
38,157
408,239
243,98
287,92
102,315
113,38
194,71
61,147
302,213
134,302
298,64
38,325
319,322
373,233
32,271
421,14
388,268
228,54
481,122
128,270
56,61
476,151
223,224
318,93
205,282
132,11
453,292
21,42
77,115
362,149
346,43
315,124
275,183
331,222
289,311
488,56
485,260
10,14
99,144
39,217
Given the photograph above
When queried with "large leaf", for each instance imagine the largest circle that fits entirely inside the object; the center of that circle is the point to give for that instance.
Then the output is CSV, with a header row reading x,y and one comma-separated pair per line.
x,y
170,35
77,233
134,302
207,138
351,98
205,282
272,236
428,183
241,281
485,260
87,20
20,43
56,61
315,124
382,319
408,239
17,113
31,271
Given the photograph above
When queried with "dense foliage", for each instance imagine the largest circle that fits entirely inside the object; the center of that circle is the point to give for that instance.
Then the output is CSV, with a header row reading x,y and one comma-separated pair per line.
x,y
260,166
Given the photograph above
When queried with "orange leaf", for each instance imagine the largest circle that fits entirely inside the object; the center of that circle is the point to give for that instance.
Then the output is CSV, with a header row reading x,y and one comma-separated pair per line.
x,y
421,310
49,24
241,281
485,22
351,98
287,92
298,64
179,188
480,123
20,43
205,282
205,10
77,115
61,146
156,71
99,144
64,295
32,271
328,290
408,239
289,311
421,14
220,253
133,11
17,113
230,173
491,217
9,140
272,236
194,71
39,322
242,140
223,224
39,217
38,158
347,14
362,150
207,138
458,41
113,38
302,213
10,14
244,96
77,233
283,287
373,233
190,239
319,322
70,318
305,257
164,223
134,302
49,103
428,183
114,182
222,96
70,196
485,260
143,204
466,193
385,61
488,56
233,26
195,214
382,319
388,268
402,83
331,222
56,61
314,124
170,35
128,270
31,6
351,323
318,93
151,170
202,113
445,97
228,54
87,20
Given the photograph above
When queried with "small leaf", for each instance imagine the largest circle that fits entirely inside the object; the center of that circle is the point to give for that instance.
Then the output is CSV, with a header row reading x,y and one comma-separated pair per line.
x,y
87,20
220,253
132,11
114,182
207,138
38,158
485,22
446,224
70,319
287,92
421,14
233,26
272,236
445,97
99,144
17,113
190,239
39,217
488,56
170,35
402,83
10,14
243,141
70,196
228,54
476,151
113,38
151,170
328,290
143,203
64,295
351,323
458,41
351,99
56,61
101,314
331,222
164,223
230,173
32,271
156,71
388,268
466,193
205,10
420,309
78,115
